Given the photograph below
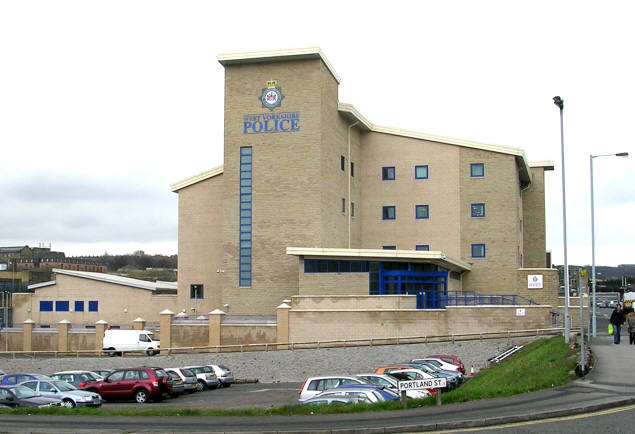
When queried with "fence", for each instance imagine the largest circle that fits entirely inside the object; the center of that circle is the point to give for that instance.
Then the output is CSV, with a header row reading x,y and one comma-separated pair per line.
x,y
277,346
473,299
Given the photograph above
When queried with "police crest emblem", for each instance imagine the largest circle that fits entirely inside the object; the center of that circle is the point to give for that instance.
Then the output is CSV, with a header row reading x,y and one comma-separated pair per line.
x,y
271,96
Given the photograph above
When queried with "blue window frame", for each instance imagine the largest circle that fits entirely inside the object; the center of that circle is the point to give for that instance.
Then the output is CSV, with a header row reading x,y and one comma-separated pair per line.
x,y
342,163
245,227
422,211
61,306
388,173
478,210
79,306
424,247
389,247
477,170
421,172
478,250
93,306
333,266
388,212
46,306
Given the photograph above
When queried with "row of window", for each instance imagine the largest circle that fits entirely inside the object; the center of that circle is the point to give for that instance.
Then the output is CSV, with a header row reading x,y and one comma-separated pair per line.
x,y
64,306
478,250
389,212
424,247
388,173
245,232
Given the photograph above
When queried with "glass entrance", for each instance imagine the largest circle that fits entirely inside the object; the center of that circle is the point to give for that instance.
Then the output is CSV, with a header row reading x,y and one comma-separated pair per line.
x,y
426,281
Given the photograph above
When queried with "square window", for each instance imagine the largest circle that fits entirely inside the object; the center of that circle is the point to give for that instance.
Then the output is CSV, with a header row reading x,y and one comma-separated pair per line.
x,y
478,250
61,306
196,291
424,247
477,170
79,306
388,173
342,162
352,169
388,213
46,306
421,172
389,247
93,306
478,210
422,211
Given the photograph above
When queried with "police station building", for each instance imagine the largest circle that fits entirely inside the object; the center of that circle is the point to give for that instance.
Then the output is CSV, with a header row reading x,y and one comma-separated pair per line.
x,y
314,199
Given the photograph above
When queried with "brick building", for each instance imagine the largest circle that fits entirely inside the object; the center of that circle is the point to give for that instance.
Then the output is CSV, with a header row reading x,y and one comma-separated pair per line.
x,y
314,199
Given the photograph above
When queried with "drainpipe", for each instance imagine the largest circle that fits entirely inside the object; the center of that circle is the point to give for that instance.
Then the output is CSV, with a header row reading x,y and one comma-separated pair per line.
x,y
348,139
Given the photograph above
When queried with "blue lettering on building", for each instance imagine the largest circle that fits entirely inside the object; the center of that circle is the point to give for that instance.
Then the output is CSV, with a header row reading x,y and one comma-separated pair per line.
x,y
271,123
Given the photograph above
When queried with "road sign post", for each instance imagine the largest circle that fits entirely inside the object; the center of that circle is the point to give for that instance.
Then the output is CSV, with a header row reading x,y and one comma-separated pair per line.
x,y
429,383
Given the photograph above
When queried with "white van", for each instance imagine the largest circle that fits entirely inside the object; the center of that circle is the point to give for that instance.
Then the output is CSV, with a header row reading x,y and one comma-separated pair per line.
x,y
130,340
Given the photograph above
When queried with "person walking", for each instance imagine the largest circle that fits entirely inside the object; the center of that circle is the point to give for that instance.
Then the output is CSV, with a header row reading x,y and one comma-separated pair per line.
x,y
630,319
617,319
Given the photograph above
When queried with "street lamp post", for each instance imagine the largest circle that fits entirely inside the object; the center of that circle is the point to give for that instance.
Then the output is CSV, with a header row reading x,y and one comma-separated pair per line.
x,y
560,103
591,157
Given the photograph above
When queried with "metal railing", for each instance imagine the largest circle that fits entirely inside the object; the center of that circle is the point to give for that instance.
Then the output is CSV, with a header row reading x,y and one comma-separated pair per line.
x,y
277,346
474,299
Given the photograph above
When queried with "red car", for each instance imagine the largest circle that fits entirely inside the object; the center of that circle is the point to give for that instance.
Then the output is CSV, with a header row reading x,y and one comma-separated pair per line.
x,y
453,360
141,384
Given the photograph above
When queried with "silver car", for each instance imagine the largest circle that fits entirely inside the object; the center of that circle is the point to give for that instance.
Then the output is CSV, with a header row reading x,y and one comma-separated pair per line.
x,y
205,376
189,379
70,396
391,383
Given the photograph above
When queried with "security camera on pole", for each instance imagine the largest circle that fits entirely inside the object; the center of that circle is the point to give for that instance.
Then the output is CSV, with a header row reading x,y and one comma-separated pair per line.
x,y
560,103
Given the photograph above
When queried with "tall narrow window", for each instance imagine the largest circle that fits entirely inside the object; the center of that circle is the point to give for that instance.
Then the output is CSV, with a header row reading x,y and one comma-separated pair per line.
x,y
342,163
352,169
343,205
352,209
244,237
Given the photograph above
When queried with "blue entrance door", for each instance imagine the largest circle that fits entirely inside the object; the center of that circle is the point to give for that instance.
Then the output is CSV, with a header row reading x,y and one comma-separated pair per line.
x,y
430,287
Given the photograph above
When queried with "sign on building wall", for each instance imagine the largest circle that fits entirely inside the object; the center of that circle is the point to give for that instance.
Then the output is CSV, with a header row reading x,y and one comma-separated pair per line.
x,y
534,281
520,312
271,98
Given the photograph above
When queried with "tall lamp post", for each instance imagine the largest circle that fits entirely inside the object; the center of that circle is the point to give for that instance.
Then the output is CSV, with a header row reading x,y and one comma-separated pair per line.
x,y
560,103
591,157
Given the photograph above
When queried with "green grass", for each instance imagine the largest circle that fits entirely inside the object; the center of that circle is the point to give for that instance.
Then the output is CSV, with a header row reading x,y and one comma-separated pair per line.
x,y
543,364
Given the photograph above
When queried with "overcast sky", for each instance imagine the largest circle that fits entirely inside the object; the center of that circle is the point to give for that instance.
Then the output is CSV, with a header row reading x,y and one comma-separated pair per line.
x,y
104,104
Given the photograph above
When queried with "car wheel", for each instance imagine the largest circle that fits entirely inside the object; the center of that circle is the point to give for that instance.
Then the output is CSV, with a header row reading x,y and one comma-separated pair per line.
x,y
68,403
112,352
200,385
149,352
141,396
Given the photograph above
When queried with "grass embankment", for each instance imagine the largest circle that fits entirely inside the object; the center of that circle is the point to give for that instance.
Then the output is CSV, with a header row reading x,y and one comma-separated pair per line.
x,y
543,364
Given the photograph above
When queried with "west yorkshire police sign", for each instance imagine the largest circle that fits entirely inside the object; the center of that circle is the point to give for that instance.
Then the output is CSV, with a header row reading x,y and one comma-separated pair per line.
x,y
271,123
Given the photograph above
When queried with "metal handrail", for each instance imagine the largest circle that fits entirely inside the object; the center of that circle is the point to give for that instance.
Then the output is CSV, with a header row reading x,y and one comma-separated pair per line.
x,y
277,346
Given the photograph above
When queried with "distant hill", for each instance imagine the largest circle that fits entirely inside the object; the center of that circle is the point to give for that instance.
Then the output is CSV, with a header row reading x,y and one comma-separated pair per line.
x,y
136,261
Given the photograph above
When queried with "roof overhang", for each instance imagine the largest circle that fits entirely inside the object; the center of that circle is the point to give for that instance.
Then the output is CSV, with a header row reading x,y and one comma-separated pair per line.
x,y
110,278
428,257
226,59
196,178
545,164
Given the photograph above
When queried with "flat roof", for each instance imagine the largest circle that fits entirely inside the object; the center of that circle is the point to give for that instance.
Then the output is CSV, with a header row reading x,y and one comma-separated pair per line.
x,y
246,57
118,280
423,256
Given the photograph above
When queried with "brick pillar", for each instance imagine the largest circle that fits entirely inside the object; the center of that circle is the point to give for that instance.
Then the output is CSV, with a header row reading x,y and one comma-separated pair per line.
x,y
100,331
215,320
139,324
62,335
27,335
282,325
166,330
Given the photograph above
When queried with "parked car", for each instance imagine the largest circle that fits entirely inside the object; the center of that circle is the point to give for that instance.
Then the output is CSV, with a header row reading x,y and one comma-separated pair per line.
x,y
205,376
140,384
14,379
116,341
178,388
21,396
70,395
370,394
314,385
391,383
451,359
223,374
387,394
439,363
454,378
190,381
2,373
390,369
411,374
330,399
79,379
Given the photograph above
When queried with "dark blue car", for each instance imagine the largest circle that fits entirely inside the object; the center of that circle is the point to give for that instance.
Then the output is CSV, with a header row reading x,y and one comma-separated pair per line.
x,y
13,379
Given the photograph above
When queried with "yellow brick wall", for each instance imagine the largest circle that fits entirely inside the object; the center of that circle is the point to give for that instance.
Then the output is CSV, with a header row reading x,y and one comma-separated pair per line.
x,y
534,231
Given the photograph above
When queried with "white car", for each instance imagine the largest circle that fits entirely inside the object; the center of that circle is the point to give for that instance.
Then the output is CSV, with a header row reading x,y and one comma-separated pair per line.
x,y
314,385
440,363
223,374
391,383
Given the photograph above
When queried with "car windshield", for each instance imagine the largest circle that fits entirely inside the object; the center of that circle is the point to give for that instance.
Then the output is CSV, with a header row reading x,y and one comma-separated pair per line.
x,y
207,370
63,386
174,375
188,373
224,368
23,392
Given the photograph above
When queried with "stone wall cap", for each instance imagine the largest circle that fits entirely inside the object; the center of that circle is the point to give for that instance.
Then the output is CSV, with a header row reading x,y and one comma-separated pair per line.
x,y
217,312
140,319
101,321
166,312
64,321
29,321
284,306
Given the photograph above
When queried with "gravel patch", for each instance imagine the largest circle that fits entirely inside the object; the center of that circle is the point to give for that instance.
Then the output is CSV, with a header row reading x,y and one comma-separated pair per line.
x,y
282,366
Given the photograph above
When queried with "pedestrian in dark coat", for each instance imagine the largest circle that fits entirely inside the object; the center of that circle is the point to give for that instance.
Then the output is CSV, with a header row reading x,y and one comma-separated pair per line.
x,y
630,319
617,319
